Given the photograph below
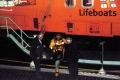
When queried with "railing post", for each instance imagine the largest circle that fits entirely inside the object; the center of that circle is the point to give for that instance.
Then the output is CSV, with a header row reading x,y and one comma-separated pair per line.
x,y
102,71
21,32
21,37
6,23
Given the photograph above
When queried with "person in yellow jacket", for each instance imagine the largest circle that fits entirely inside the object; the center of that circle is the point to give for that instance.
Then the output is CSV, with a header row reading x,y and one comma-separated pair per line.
x,y
57,45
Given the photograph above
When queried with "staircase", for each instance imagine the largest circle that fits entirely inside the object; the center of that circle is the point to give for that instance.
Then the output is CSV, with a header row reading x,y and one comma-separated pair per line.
x,y
7,31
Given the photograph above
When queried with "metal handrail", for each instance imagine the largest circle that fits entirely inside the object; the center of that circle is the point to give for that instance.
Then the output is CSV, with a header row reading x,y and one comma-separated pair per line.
x,y
19,37
16,26
19,27
21,31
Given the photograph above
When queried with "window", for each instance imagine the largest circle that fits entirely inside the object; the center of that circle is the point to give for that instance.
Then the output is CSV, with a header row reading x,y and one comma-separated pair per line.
x,y
103,5
113,5
107,3
87,3
36,24
102,0
8,0
112,0
70,3
70,27
6,3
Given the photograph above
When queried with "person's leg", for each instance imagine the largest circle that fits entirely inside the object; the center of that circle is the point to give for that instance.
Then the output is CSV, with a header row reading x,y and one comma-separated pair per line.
x,y
71,72
57,64
37,68
76,70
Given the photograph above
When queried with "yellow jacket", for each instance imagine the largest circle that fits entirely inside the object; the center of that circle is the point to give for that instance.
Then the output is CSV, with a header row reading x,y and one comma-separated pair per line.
x,y
57,45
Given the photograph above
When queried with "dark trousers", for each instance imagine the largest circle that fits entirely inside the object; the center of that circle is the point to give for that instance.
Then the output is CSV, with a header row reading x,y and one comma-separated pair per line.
x,y
37,67
73,70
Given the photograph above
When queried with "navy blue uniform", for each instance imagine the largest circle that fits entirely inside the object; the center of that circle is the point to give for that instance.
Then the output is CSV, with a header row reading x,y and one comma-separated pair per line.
x,y
36,51
71,56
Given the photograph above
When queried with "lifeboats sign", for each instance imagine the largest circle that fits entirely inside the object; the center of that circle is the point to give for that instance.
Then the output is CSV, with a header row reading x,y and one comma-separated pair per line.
x,y
87,12
104,4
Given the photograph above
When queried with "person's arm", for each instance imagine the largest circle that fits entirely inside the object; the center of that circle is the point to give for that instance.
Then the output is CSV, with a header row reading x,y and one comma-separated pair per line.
x,y
34,47
74,50
51,44
64,40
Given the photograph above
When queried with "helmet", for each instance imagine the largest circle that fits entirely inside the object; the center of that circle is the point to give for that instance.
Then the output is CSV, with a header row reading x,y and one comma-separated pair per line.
x,y
58,35
69,39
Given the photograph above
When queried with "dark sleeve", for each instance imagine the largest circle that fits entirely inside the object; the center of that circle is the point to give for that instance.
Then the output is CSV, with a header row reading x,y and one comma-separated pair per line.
x,y
66,52
39,50
75,50
34,47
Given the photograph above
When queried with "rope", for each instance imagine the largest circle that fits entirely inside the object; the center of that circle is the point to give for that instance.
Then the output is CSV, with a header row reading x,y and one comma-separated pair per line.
x,y
46,12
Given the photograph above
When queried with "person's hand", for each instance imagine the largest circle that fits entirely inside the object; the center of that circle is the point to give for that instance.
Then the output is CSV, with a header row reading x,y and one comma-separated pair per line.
x,y
38,58
65,60
54,47
44,46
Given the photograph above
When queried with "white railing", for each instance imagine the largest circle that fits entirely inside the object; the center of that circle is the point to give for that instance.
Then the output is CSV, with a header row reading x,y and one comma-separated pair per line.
x,y
21,31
